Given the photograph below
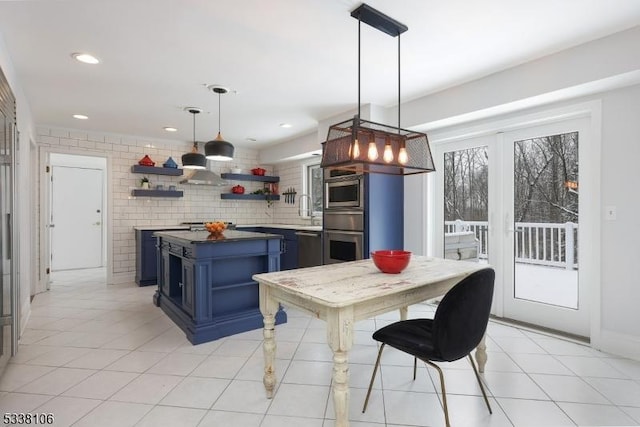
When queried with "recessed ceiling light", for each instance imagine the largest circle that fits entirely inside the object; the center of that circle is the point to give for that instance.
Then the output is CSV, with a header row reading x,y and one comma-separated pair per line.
x,y
86,58
285,125
80,117
251,139
170,129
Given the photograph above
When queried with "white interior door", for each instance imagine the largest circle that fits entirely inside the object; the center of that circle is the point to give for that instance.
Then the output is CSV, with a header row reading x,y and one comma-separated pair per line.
x,y
76,218
542,194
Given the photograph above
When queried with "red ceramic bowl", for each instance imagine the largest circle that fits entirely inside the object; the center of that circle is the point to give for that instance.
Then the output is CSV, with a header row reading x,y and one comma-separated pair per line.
x,y
392,262
258,171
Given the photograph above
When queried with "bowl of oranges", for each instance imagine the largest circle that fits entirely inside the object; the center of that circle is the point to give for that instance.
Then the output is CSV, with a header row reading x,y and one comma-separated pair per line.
x,y
215,227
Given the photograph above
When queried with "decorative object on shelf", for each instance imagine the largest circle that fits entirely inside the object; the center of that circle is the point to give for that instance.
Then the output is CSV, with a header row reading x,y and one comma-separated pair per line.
x,y
266,193
172,188
272,187
159,187
356,144
219,149
258,171
236,170
194,160
146,161
237,189
144,183
170,163
290,196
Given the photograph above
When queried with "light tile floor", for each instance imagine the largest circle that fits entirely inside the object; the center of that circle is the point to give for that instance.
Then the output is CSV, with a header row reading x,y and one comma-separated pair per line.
x,y
97,355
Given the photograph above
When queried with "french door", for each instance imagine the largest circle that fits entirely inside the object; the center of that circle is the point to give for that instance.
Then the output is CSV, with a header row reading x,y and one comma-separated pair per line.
x,y
519,192
542,198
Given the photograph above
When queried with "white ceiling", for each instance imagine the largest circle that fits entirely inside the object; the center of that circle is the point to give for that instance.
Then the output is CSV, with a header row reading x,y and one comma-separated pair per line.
x,y
290,61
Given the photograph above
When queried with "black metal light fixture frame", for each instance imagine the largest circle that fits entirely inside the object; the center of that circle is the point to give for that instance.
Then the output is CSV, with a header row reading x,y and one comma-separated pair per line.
x,y
364,146
194,159
219,149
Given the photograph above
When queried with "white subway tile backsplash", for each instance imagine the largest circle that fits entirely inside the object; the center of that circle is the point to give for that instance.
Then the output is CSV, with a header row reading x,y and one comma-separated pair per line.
x,y
63,133
199,202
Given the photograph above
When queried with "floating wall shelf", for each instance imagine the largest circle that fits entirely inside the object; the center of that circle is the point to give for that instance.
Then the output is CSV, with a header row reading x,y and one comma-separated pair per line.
x,y
139,192
156,170
247,177
249,196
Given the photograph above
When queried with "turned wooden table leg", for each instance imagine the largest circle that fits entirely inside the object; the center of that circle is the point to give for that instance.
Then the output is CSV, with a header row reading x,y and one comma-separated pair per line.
x,y
481,354
268,308
340,338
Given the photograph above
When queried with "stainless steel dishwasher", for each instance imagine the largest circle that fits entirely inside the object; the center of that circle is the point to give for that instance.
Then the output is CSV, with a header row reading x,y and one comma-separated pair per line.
x,y
309,248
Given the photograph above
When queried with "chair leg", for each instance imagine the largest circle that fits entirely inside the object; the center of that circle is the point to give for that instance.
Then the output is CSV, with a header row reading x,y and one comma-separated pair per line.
x,y
373,377
415,367
444,393
475,370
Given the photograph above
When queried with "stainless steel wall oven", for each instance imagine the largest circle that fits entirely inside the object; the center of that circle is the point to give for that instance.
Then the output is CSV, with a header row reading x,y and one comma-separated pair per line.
x,y
343,236
344,192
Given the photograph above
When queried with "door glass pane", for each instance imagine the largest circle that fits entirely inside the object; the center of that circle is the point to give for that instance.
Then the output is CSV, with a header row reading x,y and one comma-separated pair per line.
x,y
546,219
466,202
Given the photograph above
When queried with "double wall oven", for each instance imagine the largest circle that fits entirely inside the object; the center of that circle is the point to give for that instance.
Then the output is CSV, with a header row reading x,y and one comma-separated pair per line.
x,y
343,213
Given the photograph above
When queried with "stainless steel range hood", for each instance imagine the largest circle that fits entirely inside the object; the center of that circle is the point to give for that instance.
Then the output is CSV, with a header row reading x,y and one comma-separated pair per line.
x,y
204,177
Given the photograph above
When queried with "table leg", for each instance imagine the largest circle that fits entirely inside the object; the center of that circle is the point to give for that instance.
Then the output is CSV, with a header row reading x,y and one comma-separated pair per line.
x,y
268,308
404,313
481,354
340,338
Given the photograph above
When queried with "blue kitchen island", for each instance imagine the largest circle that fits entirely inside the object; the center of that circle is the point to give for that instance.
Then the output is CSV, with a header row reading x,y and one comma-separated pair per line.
x,y
205,284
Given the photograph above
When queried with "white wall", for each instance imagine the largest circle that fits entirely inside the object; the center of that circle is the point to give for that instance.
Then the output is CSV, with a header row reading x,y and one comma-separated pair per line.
x,y
24,184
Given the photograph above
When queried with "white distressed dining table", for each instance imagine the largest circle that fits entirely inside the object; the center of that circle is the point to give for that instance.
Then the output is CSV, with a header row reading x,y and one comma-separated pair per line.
x,y
341,294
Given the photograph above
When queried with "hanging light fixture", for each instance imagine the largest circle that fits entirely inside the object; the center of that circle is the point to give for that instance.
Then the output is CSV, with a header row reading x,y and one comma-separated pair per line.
x,y
219,149
194,160
363,146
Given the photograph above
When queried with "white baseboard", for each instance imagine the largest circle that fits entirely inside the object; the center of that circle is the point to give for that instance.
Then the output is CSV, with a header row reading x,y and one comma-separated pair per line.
x,y
25,314
619,344
120,278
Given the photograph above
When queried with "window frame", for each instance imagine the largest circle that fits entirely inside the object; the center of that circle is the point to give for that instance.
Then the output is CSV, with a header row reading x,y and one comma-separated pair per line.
x,y
307,168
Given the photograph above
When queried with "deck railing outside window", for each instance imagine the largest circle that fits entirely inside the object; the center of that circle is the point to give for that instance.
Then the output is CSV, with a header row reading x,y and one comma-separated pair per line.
x,y
549,244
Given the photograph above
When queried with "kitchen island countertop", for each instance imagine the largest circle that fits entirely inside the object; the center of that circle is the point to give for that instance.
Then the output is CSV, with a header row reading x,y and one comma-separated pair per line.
x,y
285,226
206,237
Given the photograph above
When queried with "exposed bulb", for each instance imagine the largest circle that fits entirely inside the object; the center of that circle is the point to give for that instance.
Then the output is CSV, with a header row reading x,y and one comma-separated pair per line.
x,y
403,158
372,153
354,150
388,154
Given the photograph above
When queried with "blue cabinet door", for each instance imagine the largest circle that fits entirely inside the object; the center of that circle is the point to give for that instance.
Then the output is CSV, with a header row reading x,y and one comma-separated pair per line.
x,y
146,258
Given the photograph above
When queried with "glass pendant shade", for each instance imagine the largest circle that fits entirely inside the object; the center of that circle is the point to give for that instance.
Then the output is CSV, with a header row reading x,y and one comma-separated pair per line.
x,y
219,149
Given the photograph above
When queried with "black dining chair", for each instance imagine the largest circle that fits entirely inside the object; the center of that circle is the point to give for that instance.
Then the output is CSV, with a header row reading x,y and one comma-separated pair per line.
x,y
456,329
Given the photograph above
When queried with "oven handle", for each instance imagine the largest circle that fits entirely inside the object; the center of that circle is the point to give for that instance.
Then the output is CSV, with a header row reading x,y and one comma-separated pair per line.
x,y
343,232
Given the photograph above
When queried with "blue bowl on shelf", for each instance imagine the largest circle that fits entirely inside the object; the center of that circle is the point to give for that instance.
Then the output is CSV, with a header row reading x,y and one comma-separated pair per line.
x,y
170,163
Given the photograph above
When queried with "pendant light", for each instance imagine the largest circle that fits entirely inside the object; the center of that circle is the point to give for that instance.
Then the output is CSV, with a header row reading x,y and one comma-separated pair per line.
x,y
194,160
219,149
364,146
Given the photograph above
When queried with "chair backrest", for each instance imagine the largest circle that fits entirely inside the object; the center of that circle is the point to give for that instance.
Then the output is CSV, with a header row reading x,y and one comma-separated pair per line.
x,y
462,316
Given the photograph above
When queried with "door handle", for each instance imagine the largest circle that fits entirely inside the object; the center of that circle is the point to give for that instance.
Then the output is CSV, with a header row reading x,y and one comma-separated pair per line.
x,y
52,225
96,223
508,226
